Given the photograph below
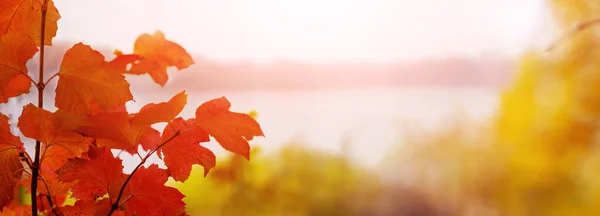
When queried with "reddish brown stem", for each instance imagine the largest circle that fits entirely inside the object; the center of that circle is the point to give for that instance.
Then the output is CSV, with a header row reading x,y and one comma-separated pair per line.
x,y
35,168
116,205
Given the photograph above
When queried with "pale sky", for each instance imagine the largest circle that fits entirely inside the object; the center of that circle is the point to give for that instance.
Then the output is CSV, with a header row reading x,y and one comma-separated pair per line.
x,y
309,30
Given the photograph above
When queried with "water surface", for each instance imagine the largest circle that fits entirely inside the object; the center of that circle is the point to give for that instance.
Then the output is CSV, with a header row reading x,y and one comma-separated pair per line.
x,y
368,121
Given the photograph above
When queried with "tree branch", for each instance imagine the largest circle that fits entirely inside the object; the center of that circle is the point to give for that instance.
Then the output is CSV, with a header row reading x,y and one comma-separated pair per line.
x,y
116,205
579,27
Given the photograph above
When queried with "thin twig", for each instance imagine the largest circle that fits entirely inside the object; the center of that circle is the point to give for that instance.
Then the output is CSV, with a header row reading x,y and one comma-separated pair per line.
x,y
35,168
116,205
49,196
119,154
139,155
24,170
580,26
26,158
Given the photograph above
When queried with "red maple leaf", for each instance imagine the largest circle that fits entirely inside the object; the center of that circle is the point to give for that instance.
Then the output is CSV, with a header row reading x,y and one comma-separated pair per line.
x,y
149,139
161,112
59,143
25,16
94,177
85,77
232,130
185,150
146,194
17,49
120,130
152,54
15,209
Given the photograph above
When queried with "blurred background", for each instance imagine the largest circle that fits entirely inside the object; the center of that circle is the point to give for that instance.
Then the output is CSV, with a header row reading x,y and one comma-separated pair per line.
x,y
378,107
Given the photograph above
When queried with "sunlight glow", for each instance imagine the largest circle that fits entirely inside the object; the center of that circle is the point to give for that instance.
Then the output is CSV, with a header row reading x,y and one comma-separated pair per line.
x,y
311,30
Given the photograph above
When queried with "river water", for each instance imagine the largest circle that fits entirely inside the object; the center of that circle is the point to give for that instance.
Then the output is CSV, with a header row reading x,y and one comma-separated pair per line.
x,y
369,120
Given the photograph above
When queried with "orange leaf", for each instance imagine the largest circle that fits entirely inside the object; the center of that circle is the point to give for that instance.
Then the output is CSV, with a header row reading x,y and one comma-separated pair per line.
x,y
18,85
113,130
11,167
17,49
162,112
94,177
58,144
16,209
153,54
84,77
97,109
185,150
147,194
118,129
25,16
232,130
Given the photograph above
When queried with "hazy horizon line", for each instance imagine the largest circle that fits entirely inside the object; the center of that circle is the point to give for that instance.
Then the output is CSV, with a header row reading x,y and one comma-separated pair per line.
x,y
197,56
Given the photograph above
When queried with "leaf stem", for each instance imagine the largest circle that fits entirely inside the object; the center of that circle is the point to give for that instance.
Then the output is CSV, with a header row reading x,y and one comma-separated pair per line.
x,y
35,168
116,205
28,77
50,79
140,156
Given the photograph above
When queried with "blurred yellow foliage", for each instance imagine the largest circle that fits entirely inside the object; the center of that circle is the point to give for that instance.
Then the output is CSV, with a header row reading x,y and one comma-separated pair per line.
x,y
294,181
540,157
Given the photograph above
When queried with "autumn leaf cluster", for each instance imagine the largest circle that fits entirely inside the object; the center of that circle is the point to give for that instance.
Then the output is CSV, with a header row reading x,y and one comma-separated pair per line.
x,y
73,155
